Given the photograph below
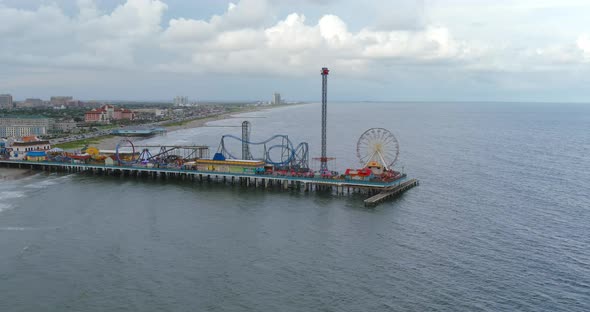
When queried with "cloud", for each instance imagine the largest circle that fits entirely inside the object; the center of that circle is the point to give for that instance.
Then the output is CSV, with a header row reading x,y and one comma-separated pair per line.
x,y
244,14
244,38
553,57
48,37
249,40
292,45
583,44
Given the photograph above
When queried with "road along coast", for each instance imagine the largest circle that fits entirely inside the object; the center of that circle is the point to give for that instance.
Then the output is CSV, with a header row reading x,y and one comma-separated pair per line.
x,y
110,142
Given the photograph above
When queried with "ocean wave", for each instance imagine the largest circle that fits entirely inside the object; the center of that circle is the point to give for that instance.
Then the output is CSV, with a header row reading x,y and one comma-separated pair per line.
x,y
4,207
21,228
12,228
47,182
40,185
11,194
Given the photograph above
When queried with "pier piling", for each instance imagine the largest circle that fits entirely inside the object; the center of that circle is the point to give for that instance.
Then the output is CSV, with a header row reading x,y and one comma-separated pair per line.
x,y
379,191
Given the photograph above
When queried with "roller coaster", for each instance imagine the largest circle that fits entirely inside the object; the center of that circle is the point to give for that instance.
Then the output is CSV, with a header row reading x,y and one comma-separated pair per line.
x,y
128,154
290,156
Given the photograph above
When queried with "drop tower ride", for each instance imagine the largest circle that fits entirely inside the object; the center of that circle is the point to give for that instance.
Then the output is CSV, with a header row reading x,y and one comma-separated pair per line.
x,y
323,157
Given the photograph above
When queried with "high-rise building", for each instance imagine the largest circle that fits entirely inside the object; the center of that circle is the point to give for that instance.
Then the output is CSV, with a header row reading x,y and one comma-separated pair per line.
x,y
60,100
33,103
276,100
19,126
181,101
107,113
6,101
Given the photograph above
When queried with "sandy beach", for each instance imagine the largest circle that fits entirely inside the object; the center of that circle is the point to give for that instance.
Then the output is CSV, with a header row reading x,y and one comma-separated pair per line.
x,y
111,142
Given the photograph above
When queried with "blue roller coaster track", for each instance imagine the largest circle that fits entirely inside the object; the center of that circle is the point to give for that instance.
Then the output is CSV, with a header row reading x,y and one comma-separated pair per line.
x,y
291,156
126,144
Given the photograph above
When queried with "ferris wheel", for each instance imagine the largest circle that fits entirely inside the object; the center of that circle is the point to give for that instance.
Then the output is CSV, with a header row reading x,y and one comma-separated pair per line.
x,y
378,144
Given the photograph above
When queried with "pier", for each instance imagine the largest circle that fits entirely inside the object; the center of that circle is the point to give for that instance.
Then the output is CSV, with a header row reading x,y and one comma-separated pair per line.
x,y
390,192
340,187
282,164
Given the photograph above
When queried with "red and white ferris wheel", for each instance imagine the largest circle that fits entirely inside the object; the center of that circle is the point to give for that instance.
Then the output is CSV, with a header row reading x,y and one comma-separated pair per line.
x,y
379,145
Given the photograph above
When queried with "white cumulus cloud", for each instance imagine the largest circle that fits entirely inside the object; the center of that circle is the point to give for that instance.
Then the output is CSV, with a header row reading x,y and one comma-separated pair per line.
x,y
48,37
583,44
243,38
292,45
396,48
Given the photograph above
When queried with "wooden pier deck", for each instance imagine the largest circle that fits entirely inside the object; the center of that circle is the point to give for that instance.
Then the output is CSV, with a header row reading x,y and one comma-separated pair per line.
x,y
390,192
340,187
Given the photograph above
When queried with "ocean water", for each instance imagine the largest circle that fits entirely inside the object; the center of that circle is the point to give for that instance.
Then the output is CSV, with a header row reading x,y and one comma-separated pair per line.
x,y
500,222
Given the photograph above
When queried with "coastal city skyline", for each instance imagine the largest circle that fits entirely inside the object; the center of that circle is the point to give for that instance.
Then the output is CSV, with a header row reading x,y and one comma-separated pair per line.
x,y
312,155
242,50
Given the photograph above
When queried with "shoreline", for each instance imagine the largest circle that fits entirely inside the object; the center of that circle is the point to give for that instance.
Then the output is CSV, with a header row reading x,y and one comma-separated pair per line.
x,y
201,122
111,142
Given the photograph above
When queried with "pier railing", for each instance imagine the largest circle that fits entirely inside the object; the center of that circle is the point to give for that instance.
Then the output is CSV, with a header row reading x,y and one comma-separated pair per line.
x,y
382,190
378,184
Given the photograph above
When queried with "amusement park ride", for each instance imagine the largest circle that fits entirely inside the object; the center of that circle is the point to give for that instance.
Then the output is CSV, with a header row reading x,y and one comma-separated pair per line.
x,y
377,150
127,153
275,158
277,150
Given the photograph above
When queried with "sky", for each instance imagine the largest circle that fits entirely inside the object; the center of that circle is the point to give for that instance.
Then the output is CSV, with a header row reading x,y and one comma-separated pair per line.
x,y
377,50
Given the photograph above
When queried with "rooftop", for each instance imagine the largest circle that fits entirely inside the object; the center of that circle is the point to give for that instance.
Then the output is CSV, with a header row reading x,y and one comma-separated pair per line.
x,y
24,116
30,143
